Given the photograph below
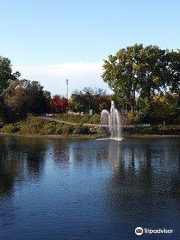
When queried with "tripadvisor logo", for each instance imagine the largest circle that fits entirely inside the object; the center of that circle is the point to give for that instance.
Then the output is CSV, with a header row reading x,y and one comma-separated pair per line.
x,y
139,231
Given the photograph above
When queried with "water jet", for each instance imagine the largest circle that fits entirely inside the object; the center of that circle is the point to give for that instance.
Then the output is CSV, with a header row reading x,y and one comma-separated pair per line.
x,y
113,120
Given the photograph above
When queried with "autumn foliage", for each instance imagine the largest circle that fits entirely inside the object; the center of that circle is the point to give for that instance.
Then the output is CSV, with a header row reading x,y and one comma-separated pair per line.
x,y
59,104
88,98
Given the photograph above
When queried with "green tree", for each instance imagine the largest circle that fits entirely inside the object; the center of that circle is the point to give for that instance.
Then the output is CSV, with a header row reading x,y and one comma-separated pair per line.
x,y
152,71
121,73
88,98
24,96
6,75
173,67
136,72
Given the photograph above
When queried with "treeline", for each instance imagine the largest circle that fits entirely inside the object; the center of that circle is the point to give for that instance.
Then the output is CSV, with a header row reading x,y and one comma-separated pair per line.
x,y
146,80
89,99
20,97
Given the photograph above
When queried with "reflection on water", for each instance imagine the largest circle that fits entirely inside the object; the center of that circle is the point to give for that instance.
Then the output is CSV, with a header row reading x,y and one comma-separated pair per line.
x,y
87,189
146,165
20,159
144,189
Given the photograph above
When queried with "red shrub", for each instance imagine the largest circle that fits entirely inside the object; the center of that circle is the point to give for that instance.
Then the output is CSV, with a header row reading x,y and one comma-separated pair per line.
x,y
59,104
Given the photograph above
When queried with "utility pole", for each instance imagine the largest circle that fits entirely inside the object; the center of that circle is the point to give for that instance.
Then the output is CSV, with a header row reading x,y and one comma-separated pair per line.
x,y
67,83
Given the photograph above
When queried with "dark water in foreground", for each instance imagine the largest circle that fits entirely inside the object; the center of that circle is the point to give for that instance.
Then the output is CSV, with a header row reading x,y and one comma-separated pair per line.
x,y
87,189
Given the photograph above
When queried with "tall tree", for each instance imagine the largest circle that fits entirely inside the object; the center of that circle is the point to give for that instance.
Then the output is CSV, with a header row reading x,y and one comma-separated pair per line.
x,y
173,67
136,72
152,71
24,96
121,73
6,75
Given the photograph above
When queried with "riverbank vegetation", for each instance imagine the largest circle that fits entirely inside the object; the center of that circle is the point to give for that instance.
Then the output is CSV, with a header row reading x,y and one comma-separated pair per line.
x,y
146,86
34,125
38,125
154,130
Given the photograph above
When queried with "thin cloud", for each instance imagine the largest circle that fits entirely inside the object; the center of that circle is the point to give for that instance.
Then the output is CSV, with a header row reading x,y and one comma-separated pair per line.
x,y
63,69
52,77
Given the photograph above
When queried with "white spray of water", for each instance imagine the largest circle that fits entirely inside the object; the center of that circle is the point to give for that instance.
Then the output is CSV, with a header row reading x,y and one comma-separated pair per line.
x,y
112,119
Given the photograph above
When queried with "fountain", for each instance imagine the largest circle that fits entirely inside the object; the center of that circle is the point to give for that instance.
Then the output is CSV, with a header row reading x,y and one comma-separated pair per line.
x,y
112,119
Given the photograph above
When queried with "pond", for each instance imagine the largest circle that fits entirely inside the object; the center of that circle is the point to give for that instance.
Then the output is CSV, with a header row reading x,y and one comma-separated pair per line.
x,y
86,189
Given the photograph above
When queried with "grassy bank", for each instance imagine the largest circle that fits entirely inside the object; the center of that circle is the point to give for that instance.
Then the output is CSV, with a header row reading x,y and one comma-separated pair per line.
x,y
36,126
157,130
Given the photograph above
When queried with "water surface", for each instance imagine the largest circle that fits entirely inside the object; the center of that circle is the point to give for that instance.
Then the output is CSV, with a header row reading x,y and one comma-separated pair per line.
x,y
88,189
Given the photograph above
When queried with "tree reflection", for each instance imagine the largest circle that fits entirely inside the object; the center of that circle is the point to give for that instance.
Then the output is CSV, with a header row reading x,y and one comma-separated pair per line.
x,y
35,151
60,153
88,150
144,174
145,164
9,166
20,159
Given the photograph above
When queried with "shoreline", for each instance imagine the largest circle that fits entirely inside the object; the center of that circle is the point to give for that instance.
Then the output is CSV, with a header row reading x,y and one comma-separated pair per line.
x,y
151,136
58,136
87,136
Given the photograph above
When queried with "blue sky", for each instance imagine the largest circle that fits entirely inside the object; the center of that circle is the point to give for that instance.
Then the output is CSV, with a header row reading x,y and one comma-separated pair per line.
x,y
51,40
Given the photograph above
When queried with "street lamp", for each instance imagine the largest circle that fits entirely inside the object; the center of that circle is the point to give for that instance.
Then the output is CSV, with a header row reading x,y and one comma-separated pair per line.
x,y
67,83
